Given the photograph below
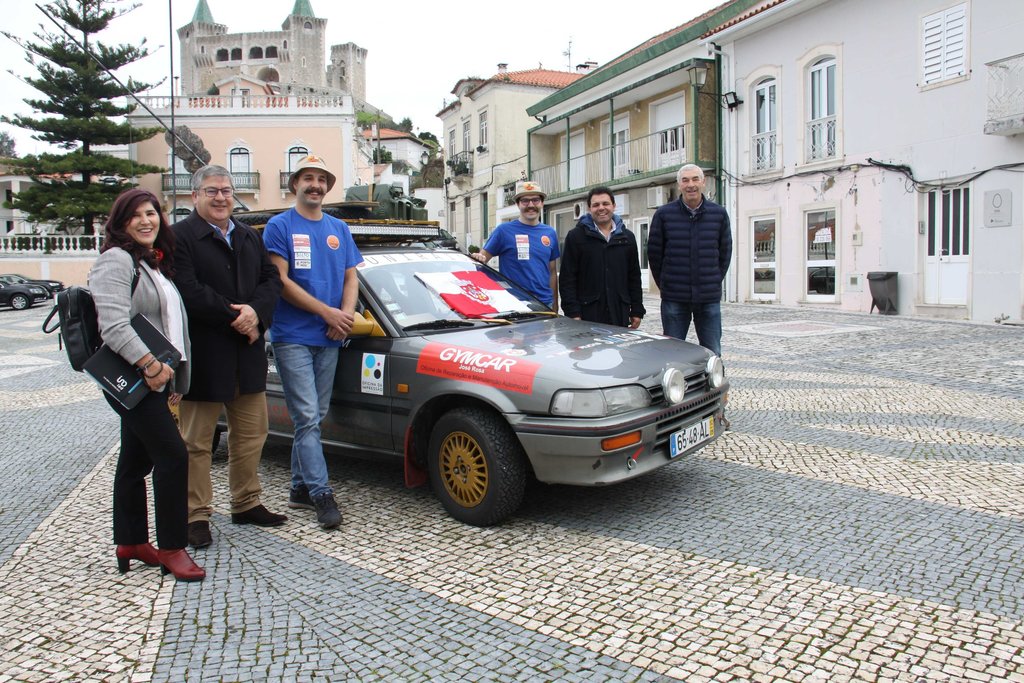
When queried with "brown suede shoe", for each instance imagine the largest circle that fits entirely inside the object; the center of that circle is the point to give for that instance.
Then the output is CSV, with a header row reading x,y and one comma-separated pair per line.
x,y
259,515
199,534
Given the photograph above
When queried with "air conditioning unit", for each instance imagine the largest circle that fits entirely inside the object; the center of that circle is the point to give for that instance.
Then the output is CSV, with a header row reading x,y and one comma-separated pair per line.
x,y
578,209
655,197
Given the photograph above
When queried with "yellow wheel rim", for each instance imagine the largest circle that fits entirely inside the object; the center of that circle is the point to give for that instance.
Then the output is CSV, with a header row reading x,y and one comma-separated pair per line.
x,y
463,469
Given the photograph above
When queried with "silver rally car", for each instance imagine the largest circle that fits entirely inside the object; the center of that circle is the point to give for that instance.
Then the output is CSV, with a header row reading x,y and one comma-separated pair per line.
x,y
478,386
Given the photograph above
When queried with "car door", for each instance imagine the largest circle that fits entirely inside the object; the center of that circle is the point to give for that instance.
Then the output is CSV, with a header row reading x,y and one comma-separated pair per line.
x,y
360,413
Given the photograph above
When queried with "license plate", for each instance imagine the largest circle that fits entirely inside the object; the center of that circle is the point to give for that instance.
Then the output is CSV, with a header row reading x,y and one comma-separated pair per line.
x,y
688,437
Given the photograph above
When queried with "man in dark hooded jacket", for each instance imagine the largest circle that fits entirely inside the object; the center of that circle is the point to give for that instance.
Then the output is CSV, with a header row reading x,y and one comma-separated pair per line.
x,y
599,279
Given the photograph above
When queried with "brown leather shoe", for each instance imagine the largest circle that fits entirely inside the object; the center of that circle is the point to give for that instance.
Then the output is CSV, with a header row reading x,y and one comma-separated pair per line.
x,y
179,563
199,534
259,515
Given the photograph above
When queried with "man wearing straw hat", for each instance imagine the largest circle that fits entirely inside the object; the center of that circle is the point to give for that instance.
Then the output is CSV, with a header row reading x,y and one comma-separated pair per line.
x,y
527,249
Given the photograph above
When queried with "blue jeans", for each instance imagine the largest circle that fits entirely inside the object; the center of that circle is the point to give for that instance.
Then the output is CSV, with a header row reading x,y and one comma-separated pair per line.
x,y
707,320
307,376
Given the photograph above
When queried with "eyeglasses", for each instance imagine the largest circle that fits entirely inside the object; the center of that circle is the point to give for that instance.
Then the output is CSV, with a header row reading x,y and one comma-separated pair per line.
x,y
531,200
212,192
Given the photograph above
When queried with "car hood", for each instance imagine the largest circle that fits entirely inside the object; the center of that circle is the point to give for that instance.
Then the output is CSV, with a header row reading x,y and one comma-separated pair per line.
x,y
557,353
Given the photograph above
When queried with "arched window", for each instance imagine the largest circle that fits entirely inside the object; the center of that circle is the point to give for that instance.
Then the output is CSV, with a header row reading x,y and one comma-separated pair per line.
x,y
821,114
222,55
284,44
295,155
765,123
308,26
236,54
271,52
256,52
239,160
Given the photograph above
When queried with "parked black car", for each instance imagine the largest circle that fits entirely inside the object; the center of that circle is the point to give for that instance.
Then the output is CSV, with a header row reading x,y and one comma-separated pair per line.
x,y
19,296
51,286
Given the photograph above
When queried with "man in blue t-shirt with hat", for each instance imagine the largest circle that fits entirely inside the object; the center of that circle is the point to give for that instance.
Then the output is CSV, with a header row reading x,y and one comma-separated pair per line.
x,y
317,260
527,249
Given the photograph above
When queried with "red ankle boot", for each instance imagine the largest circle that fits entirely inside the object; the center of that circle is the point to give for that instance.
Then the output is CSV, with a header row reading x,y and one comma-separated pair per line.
x,y
179,563
144,552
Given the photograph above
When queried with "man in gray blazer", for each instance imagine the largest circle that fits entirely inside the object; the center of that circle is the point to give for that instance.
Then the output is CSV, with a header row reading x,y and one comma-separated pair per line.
x,y
230,289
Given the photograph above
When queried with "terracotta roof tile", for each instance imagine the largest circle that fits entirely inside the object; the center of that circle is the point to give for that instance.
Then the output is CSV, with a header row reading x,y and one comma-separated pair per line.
x,y
389,134
546,78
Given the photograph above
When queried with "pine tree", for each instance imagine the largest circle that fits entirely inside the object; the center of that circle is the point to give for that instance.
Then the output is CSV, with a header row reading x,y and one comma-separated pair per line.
x,y
79,106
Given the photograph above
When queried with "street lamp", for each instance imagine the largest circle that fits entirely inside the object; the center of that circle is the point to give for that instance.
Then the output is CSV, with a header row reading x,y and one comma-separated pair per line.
x,y
697,70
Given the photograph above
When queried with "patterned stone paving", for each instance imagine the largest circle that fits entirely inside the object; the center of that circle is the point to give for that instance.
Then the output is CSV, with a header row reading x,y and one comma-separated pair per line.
x,y
864,520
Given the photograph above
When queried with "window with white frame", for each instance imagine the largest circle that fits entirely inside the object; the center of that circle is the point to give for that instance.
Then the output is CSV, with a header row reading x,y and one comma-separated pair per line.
x,y
765,117
465,136
295,155
451,143
482,138
944,45
239,160
821,124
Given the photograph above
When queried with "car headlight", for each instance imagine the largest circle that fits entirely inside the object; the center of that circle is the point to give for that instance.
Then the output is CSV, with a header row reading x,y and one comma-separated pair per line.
x,y
716,372
37,290
673,384
599,402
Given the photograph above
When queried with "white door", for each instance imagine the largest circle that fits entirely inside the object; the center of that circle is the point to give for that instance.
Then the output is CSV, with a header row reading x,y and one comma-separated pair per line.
x,y
577,161
669,143
947,263
642,229
764,281
618,145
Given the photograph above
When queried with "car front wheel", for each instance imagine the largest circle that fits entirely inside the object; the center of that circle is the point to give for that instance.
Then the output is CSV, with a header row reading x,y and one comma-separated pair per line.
x,y
477,466
20,302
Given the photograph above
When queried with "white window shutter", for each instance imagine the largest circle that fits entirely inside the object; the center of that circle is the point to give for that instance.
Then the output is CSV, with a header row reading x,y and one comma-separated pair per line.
x,y
944,45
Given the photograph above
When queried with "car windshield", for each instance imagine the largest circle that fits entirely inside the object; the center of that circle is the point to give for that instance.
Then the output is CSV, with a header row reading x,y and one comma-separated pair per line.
x,y
13,279
420,290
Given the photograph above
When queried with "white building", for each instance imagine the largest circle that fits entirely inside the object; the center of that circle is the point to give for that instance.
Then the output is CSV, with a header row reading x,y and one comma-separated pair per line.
x,y
883,137
485,131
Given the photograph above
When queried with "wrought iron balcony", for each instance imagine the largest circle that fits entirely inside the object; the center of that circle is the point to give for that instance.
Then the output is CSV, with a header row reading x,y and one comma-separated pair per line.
x,y
461,164
179,183
821,139
765,157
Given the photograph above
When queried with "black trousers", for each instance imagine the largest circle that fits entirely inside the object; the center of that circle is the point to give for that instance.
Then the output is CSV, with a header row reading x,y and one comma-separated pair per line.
x,y
150,442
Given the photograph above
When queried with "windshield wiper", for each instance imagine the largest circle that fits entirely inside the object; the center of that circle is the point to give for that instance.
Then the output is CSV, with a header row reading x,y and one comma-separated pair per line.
x,y
438,325
519,315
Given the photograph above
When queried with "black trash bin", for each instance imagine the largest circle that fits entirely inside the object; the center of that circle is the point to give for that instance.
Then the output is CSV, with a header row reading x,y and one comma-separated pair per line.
x,y
885,287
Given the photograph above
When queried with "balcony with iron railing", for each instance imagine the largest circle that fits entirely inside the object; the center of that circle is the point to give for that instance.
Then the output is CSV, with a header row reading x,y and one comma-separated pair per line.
x,y
645,156
1005,96
461,164
821,139
181,183
764,157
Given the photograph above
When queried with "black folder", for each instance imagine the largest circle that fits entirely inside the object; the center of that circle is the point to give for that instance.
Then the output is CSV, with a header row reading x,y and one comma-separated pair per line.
x,y
121,379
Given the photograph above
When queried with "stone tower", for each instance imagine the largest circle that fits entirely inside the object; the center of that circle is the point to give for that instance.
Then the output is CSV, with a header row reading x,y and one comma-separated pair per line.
x,y
288,61
347,70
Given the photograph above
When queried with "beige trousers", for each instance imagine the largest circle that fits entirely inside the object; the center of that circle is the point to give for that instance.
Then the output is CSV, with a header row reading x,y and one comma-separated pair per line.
x,y
247,432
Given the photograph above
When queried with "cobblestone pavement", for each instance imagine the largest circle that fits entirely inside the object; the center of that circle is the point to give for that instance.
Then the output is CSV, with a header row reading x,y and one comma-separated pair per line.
x,y
864,520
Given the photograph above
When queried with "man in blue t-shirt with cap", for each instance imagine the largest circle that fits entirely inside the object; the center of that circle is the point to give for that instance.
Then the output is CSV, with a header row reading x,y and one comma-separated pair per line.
x,y
317,260
527,249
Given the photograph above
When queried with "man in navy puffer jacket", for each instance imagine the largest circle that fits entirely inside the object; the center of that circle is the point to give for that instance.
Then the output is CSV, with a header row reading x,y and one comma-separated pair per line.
x,y
689,249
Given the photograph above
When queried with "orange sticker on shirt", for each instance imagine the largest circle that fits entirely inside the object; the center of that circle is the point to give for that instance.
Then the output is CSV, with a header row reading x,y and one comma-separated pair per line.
x,y
333,242
480,367
545,240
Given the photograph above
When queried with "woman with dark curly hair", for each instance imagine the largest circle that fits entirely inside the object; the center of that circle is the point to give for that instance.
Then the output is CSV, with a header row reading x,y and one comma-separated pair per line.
x,y
133,275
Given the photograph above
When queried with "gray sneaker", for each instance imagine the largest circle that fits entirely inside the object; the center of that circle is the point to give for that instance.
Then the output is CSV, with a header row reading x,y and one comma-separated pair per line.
x,y
298,498
327,514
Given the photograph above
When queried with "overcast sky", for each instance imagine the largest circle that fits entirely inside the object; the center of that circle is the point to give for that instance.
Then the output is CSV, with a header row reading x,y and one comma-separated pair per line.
x,y
417,51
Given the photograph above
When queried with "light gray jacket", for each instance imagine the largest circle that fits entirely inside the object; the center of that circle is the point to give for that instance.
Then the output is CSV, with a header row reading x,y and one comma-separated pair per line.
x,y
110,282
